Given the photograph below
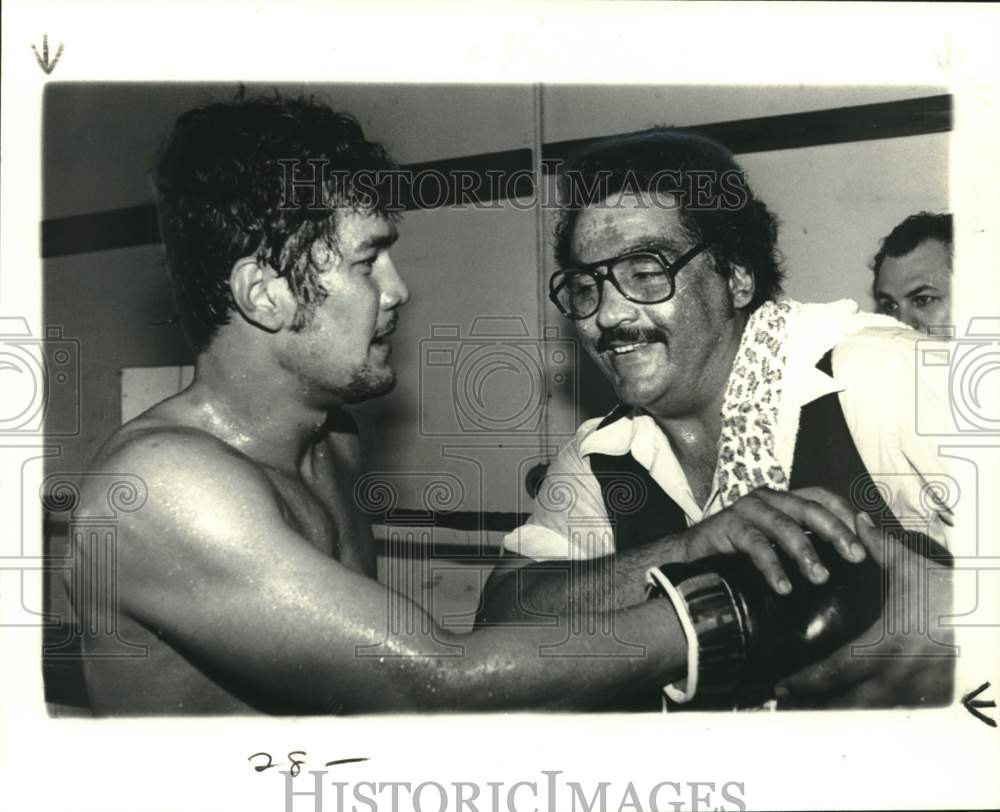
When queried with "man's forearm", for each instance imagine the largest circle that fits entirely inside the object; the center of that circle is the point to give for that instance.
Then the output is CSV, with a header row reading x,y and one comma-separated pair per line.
x,y
529,592
551,665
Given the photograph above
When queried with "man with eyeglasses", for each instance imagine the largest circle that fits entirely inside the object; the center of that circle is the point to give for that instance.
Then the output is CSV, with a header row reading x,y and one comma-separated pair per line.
x,y
747,422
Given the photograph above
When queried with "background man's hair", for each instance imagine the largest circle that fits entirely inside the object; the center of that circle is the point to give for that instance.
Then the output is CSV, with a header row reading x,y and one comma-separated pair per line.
x,y
914,230
716,203
222,194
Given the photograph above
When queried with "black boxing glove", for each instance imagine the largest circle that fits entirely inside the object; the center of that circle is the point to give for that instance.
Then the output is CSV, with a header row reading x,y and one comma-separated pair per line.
x,y
743,637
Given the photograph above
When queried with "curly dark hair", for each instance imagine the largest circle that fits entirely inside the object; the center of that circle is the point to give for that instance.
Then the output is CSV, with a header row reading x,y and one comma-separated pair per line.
x,y
715,202
914,230
223,194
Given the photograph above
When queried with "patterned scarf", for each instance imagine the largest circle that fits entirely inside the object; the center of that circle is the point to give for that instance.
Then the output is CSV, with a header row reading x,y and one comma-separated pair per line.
x,y
749,456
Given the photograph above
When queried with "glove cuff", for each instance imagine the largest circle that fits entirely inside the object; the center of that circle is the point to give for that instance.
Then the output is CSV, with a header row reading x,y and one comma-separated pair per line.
x,y
713,626
660,587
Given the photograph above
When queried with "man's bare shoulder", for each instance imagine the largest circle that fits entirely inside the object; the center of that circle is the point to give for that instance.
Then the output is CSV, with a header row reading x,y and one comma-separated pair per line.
x,y
183,472
154,443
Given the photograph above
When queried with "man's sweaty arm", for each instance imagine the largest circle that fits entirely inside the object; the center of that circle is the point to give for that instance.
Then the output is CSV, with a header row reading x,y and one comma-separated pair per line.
x,y
521,590
210,564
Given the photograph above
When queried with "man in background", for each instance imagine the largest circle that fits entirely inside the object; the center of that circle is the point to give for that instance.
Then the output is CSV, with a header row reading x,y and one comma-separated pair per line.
x,y
913,273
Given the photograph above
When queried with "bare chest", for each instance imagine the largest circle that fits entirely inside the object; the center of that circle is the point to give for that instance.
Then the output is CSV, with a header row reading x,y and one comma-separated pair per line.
x,y
319,505
699,469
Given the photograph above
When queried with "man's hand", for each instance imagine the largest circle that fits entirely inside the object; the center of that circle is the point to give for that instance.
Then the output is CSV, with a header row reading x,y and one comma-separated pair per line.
x,y
906,658
750,525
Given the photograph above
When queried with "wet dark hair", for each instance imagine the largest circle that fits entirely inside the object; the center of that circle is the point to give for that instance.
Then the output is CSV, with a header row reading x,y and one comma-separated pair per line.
x,y
910,233
715,202
223,193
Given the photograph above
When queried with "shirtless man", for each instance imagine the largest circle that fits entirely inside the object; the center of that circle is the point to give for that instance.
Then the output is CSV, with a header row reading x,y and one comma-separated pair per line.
x,y
249,574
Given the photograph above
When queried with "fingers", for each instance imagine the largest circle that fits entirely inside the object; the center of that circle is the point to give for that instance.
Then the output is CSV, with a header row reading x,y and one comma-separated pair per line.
x,y
845,681
832,518
755,544
826,514
837,674
777,516
794,541
764,516
870,536
836,505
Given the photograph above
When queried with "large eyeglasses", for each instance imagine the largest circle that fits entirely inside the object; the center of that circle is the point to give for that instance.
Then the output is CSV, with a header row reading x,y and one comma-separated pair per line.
x,y
643,277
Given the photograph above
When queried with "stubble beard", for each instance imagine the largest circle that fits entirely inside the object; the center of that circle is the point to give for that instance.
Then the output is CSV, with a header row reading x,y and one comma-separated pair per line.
x,y
369,383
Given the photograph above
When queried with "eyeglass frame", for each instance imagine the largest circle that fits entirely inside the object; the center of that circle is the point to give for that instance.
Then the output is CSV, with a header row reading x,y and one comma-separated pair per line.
x,y
591,268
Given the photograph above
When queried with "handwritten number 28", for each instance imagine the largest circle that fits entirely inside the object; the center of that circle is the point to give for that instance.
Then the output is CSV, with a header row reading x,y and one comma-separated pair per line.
x,y
268,762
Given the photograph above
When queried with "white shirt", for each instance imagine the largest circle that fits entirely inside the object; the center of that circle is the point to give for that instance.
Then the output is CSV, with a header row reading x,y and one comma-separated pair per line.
x,y
883,390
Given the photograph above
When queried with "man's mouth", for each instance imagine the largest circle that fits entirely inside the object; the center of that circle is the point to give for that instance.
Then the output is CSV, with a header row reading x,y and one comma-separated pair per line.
x,y
622,349
388,331
623,342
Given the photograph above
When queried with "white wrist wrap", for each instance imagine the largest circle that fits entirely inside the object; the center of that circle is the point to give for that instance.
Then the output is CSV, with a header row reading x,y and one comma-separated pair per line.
x,y
680,692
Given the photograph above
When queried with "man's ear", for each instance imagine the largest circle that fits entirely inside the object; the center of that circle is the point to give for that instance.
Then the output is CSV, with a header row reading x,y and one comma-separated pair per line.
x,y
261,295
741,286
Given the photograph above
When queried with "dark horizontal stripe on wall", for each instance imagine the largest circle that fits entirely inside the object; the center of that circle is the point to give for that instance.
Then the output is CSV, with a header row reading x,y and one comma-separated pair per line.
x,y
495,176
482,553
469,521
101,231
838,125
499,176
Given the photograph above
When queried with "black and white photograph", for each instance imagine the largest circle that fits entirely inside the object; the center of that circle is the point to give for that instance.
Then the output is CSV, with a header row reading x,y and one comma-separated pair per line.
x,y
528,427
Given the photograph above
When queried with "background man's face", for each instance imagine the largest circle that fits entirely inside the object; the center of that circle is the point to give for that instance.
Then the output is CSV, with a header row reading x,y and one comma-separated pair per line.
x,y
916,288
671,358
343,349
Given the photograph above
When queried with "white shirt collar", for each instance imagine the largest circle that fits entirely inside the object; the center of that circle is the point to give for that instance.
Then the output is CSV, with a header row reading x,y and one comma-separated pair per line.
x,y
817,328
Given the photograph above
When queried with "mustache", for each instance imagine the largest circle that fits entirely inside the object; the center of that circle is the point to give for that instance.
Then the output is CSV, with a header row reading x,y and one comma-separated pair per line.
x,y
629,335
390,327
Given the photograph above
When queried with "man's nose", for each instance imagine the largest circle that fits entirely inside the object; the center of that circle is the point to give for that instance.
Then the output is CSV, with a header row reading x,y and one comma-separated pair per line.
x,y
394,291
909,316
614,308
